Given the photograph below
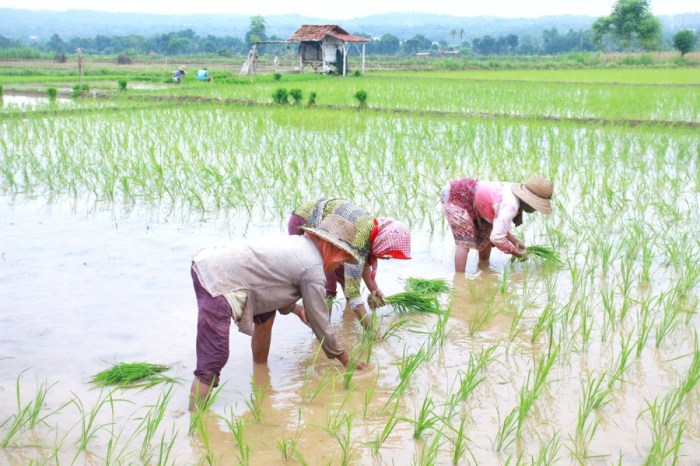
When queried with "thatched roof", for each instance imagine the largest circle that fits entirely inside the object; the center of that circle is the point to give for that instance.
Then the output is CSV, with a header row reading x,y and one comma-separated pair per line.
x,y
310,32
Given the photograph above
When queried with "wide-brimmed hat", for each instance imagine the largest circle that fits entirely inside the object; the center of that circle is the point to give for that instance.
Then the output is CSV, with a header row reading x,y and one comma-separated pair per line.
x,y
535,192
339,232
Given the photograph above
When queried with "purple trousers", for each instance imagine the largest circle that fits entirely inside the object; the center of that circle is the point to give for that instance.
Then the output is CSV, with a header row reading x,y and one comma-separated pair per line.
x,y
332,278
213,326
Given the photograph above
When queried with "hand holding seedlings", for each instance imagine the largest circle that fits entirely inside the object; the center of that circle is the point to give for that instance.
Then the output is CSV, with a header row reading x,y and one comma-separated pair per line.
x,y
376,299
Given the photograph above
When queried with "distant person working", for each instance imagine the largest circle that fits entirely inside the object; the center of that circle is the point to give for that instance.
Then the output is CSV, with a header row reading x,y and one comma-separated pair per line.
x,y
179,74
203,75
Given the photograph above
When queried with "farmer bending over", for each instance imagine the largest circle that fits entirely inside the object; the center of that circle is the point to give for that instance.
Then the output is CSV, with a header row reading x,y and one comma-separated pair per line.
x,y
250,281
480,214
375,238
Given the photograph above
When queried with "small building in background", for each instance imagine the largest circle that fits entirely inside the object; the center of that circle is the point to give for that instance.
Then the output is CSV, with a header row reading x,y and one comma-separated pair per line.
x,y
325,47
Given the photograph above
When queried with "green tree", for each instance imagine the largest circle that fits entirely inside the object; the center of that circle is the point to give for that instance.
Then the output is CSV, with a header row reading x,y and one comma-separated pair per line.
x,y
56,44
177,45
417,43
256,31
684,41
630,25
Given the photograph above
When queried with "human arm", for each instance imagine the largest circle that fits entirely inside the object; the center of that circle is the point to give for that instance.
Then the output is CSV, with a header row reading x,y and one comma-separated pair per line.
x,y
353,274
501,236
316,313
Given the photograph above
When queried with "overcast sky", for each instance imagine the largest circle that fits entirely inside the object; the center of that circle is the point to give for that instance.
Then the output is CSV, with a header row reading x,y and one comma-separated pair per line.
x,y
329,9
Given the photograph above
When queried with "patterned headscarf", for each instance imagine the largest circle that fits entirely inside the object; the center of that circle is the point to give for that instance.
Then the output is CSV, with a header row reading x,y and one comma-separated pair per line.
x,y
390,239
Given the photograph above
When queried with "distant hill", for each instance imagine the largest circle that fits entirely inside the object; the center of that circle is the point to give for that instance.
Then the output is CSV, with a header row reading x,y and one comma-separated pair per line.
x,y
27,25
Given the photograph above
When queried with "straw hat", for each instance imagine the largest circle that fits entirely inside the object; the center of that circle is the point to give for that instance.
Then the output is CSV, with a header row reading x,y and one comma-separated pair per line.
x,y
536,192
339,232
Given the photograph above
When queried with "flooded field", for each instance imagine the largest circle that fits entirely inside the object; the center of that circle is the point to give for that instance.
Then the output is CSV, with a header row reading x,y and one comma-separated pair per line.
x,y
593,362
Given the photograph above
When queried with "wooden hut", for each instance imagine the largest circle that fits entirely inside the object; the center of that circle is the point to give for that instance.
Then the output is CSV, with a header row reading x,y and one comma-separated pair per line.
x,y
325,47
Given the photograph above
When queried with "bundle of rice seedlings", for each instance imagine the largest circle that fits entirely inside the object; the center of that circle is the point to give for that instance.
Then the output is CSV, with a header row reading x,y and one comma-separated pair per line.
x,y
132,374
414,301
544,253
427,285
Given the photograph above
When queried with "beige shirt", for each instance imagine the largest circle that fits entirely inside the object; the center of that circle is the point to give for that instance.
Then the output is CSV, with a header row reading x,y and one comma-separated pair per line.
x,y
275,274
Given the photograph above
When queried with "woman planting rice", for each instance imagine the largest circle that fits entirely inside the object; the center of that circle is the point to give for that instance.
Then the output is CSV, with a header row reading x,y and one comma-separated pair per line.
x,y
375,238
250,281
480,214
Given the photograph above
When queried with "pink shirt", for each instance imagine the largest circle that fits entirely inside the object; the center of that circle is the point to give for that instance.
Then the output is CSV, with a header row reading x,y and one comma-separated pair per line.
x,y
497,204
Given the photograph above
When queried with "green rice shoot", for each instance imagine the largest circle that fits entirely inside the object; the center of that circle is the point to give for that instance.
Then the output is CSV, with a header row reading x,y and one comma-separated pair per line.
x,y
414,301
544,253
427,285
131,375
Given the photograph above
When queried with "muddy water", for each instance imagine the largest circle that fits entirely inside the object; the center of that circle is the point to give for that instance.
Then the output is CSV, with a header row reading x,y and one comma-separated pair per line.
x,y
80,289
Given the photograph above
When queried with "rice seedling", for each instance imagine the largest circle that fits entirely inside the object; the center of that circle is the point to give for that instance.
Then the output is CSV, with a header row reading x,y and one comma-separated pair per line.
x,y
89,425
345,441
349,372
407,366
427,285
472,377
506,431
425,417
460,442
481,317
437,333
428,453
370,336
28,416
394,327
667,429
308,392
391,422
152,420
336,418
117,451
256,398
511,429
237,427
132,375
544,254
165,449
412,301
548,452
545,320
594,396
287,446
622,361
201,408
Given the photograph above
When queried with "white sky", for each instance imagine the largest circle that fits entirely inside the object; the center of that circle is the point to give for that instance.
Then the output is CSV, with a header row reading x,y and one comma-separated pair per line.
x,y
329,9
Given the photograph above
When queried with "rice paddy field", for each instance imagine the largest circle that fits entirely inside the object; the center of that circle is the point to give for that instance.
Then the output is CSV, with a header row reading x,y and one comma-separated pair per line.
x,y
104,196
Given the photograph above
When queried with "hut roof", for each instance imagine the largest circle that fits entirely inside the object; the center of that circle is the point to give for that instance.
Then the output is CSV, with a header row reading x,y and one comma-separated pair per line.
x,y
319,32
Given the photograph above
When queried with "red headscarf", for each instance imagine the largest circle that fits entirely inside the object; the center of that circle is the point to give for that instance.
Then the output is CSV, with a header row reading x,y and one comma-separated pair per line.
x,y
389,239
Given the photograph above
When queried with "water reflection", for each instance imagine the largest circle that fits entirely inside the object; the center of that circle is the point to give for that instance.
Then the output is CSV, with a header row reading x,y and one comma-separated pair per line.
x,y
31,102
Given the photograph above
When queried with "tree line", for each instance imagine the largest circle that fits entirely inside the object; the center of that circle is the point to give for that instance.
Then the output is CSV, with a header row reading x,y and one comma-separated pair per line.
x,y
630,26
